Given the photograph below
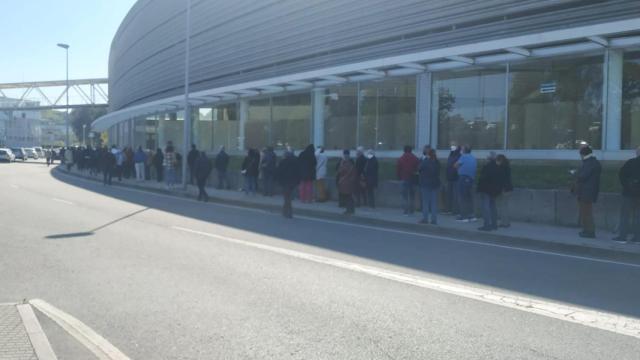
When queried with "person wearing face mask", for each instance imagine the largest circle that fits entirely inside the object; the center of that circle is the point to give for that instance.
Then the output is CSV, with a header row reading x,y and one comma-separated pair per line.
x,y
587,189
452,198
370,177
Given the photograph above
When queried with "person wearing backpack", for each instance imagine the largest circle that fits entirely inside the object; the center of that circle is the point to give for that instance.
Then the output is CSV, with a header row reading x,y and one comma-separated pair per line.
x,y
629,176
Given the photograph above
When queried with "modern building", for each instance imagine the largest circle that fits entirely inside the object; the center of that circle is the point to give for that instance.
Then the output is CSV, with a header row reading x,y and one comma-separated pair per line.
x,y
19,128
532,78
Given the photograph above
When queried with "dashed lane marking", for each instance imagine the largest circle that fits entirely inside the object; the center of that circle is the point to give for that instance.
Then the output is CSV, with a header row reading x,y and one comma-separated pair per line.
x,y
62,201
595,319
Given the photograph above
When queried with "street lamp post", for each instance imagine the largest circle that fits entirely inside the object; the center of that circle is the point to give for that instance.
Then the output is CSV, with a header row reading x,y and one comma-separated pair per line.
x,y
66,48
187,108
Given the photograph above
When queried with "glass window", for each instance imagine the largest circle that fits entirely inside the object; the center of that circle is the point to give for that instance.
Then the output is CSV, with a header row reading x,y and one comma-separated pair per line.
x,y
291,124
470,107
226,126
555,104
257,129
631,100
388,113
203,129
341,117
171,128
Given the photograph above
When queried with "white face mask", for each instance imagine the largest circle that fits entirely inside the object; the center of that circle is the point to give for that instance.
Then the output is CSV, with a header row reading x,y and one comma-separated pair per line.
x,y
453,148
370,156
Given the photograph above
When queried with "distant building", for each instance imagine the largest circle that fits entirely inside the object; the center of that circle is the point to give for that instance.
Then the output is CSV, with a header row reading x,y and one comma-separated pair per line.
x,y
19,128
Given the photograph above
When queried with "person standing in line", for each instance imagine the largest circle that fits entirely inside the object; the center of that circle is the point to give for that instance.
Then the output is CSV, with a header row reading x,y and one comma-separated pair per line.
x,y
250,170
68,159
158,163
490,187
360,190
222,163
192,156
504,218
139,158
119,161
346,179
429,180
268,168
108,160
321,175
406,170
202,169
370,178
49,155
629,176
587,190
288,176
467,166
307,165
452,181
170,163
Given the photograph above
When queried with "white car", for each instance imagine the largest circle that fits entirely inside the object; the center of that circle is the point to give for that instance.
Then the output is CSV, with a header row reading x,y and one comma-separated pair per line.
x,y
31,153
7,155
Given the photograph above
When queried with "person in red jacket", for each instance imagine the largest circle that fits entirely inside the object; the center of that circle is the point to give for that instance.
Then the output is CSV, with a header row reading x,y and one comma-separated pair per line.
x,y
406,169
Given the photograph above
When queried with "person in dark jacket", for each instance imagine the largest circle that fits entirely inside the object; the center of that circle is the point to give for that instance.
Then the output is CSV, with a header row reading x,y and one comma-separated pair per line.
x,y
369,178
158,163
490,187
587,190
452,181
268,168
108,165
201,170
288,176
307,165
360,192
250,170
504,220
429,181
192,156
629,176
222,163
406,170
346,181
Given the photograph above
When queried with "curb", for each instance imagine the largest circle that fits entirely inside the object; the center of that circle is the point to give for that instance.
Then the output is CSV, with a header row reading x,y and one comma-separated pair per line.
x,y
470,235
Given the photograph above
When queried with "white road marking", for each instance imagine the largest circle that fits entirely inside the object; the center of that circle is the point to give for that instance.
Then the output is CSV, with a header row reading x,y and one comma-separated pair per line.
x,y
98,345
15,186
402,232
599,320
39,341
62,201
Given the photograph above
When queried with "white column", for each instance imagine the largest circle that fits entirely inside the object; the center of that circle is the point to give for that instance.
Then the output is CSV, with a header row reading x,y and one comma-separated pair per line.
x,y
318,99
612,99
244,115
423,111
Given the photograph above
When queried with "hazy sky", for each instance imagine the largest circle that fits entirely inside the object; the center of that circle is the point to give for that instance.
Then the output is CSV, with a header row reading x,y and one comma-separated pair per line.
x,y
32,28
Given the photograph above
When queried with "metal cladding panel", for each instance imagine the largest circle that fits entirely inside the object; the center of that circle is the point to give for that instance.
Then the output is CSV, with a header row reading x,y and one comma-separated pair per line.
x,y
243,40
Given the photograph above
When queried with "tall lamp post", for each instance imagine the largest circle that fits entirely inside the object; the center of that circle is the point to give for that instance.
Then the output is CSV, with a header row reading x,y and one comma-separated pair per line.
x,y
66,48
187,108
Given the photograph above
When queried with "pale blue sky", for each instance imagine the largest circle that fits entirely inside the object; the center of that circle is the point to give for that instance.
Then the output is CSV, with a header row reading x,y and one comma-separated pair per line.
x,y
32,28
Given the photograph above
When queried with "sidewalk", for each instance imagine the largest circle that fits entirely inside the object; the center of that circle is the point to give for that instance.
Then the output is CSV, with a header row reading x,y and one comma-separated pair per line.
x,y
21,337
530,235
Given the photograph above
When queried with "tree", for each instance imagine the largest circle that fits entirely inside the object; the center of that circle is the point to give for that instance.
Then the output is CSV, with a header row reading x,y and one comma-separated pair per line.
x,y
84,116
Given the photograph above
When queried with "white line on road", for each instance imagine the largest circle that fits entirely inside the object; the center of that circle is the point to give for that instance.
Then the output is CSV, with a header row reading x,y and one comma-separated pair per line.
x,y
98,345
62,201
600,320
39,341
15,186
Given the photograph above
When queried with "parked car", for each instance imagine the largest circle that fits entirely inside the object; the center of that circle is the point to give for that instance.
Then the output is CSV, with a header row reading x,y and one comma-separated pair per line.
x,y
31,153
39,151
20,153
7,155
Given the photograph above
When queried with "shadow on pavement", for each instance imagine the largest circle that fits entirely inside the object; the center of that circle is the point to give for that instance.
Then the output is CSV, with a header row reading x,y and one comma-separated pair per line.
x,y
600,285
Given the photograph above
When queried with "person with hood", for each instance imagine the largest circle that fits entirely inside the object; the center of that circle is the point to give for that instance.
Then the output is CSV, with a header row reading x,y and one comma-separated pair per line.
x,y
406,170
490,187
346,179
587,189
369,178
321,175
192,156
429,181
360,190
250,170
288,176
201,170
307,165
629,176
268,164
158,162
140,157
222,163
452,181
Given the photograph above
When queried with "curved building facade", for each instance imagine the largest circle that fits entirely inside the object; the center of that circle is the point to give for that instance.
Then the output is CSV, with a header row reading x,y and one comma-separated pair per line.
x,y
534,78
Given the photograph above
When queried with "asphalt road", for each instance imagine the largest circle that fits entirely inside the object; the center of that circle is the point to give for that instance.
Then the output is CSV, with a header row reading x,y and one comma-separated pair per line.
x,y
140,270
